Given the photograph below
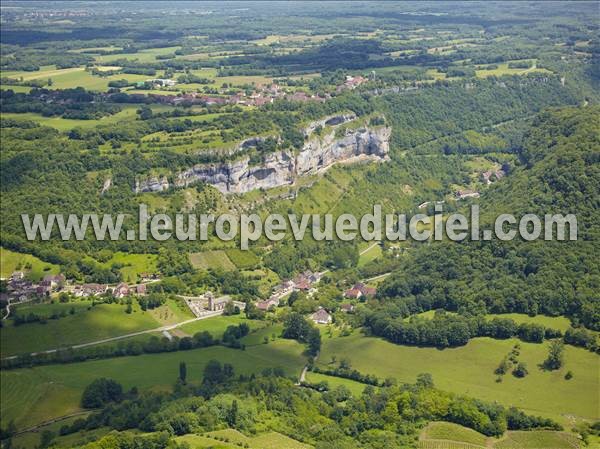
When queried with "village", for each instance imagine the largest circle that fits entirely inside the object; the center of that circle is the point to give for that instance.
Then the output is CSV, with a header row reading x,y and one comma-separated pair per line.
x,y
260,94
20,289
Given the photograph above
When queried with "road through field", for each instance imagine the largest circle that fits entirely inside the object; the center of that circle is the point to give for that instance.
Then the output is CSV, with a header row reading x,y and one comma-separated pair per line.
x,y
133,334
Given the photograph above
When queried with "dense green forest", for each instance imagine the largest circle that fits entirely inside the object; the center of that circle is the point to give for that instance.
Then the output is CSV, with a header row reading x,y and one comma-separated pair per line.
x,y
559,174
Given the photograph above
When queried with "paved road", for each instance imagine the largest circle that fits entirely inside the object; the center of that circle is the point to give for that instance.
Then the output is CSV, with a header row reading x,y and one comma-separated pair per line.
x,y
133,334
9,304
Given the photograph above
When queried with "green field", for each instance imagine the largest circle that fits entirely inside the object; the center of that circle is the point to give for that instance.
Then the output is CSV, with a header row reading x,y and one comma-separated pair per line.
x,y
355,387
444,435
537,440
242,259
147,55
133,265
99,322
211,259
235,439
66,124
470,369
453,432
217,325
16,89
371,252
172,312
554,322
73,77
35,395
31,440
503,69
11,261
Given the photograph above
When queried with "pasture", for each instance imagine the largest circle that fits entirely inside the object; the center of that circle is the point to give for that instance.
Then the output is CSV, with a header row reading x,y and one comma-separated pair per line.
x,y
86,325
537,440
66,124
211,259
445,435
133,264
554,322
453,432
233,439
127,112
503,69
469,370
34,395
171,312
34,268
369,253
242,259
146,55
356,388
217,325
16,89
73,77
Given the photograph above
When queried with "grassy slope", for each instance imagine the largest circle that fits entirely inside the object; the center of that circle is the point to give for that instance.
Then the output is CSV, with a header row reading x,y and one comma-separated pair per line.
x,y
444,435
454,432
537,440
211,259
559,322
355,387
101,321
37,394
469,370
235,439
554,322
134,264
217,325
65,124
10,260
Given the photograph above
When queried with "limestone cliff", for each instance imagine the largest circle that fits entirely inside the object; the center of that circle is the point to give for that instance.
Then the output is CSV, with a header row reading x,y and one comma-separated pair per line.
x,y
154,184
283,167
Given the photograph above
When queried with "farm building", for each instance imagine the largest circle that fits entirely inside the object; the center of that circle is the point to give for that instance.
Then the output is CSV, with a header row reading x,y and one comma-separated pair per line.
x,y
321,316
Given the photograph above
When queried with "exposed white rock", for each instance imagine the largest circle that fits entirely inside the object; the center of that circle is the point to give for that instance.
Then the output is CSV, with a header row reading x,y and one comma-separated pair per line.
x,y
106,186
283,167
153,184
333,120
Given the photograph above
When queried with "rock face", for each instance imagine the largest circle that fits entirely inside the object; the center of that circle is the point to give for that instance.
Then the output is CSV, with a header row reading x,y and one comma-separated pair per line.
x,y
153,184
283,167
106,186
239,177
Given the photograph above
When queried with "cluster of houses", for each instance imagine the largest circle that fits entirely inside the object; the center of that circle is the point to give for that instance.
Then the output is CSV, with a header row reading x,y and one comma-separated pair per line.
x,y
120,291
351,82
303,282
155,83
466,193
20,288
489,176
262,94
208,302
360,290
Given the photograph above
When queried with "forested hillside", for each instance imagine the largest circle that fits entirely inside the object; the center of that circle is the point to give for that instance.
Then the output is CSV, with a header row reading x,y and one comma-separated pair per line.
x,y
559,173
